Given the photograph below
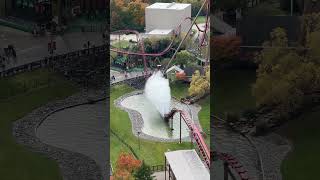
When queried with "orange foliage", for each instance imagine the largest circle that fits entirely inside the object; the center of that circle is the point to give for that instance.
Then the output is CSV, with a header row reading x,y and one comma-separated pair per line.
x,y
126,164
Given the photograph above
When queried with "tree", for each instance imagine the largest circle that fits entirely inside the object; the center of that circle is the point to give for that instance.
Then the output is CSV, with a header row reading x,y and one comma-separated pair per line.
x,y
144,173
125,166
185,58
285,78
225,48
127,14
200,85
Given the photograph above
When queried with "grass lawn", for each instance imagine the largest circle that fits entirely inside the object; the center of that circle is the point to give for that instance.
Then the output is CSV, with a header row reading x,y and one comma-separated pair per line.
x,y
201,19
232,91
17,163
152,152
123,44
302,162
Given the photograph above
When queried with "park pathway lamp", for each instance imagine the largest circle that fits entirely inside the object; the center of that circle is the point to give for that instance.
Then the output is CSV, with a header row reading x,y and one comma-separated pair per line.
x,y
139,138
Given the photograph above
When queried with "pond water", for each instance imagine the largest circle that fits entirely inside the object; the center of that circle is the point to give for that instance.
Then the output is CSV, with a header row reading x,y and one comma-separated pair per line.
x,y
154,125
80,129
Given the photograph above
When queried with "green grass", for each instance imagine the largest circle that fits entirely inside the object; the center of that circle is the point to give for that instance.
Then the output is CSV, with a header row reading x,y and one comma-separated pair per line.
x,y
302,162
201,19
232,91
179,89
123,44
16,162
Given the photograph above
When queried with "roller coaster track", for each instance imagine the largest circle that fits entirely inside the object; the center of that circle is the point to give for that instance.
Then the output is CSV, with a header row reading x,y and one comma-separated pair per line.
x,y
234,164
196,135
169,47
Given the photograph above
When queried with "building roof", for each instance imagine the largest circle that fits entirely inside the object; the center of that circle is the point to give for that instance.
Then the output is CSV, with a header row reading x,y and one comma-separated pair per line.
x,y
160,32
171,6
187,165
174,67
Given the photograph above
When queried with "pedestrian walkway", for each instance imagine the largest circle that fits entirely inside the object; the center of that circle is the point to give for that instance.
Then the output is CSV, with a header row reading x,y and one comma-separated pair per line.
x,y
159,175
30,49
119,76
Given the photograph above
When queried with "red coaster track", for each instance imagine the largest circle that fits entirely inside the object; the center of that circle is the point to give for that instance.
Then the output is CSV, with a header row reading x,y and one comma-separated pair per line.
x,y
196,135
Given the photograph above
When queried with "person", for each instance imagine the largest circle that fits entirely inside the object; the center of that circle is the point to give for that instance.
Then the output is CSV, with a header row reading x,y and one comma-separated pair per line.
x,y
113,78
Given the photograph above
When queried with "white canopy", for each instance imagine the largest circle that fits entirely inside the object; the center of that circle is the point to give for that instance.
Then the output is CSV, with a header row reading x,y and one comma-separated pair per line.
x,y
187,165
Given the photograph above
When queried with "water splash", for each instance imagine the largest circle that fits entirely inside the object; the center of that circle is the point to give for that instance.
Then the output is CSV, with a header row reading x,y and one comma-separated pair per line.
x,y
157,91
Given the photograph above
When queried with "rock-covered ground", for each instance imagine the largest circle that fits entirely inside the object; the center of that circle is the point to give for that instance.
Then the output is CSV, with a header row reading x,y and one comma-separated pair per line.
x,y
272,148
73,165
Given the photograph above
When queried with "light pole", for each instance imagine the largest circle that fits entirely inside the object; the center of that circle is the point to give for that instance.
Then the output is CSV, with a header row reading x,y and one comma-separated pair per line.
x,y
291,7
139,139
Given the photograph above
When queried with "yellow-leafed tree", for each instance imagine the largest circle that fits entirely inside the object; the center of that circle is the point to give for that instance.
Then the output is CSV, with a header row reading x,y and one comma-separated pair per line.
x,y
200,84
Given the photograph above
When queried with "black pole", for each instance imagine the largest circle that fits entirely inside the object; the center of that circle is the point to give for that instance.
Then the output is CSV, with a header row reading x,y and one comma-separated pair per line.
x,y
139,139
180,128
225,164
165,168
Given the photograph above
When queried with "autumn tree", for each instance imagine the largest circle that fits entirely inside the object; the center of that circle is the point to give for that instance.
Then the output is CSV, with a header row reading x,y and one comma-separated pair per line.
x,y
127,14
286,78
200,84
125,166
225,48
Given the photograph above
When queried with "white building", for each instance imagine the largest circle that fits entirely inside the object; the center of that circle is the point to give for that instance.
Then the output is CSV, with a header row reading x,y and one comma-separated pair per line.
x,y
185,165
167,16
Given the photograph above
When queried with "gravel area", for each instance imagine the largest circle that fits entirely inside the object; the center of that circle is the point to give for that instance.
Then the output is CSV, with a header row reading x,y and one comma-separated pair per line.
x,y
73,166
272,147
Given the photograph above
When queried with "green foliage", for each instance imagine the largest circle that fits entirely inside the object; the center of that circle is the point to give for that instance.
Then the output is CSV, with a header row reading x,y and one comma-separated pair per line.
x,y
185,58
200,85
285,77
144,173
127,14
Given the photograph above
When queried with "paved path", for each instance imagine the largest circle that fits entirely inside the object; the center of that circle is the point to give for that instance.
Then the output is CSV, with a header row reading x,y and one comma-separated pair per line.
x,y
159,175
30,48
121,76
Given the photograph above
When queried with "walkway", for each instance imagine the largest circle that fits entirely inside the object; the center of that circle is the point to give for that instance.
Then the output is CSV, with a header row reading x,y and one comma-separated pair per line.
x,y
121,76
30,49
159,175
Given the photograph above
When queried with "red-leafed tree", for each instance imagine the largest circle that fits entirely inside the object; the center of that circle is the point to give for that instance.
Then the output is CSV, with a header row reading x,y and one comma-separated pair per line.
x,y
125,166
225,48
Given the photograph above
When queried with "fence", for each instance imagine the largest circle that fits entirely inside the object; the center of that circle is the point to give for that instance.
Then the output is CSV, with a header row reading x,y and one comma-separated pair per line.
x,y
157,168
48,61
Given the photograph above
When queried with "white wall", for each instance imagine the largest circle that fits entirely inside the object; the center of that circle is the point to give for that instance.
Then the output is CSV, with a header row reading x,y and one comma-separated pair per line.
x,y
167,18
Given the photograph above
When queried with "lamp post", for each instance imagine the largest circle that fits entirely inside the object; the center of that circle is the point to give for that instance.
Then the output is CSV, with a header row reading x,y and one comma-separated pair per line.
x,y
291,8
139,139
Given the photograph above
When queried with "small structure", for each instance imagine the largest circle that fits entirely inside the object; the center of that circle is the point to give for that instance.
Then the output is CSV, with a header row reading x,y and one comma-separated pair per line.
x,y
167,16
160,33
171,72
189,71
185,165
